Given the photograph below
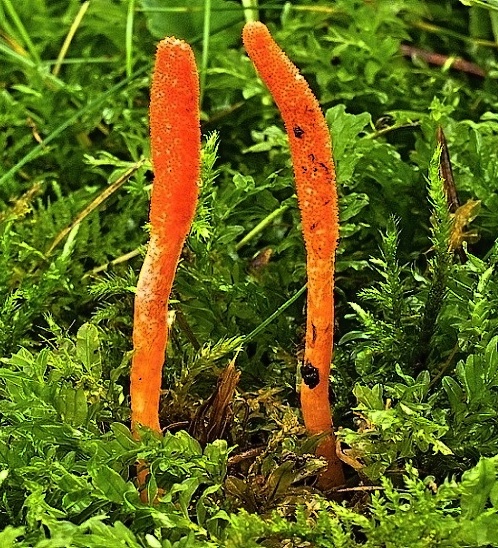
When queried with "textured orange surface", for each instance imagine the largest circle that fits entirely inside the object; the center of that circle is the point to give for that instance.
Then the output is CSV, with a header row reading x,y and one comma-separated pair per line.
x,y
314,173
175,148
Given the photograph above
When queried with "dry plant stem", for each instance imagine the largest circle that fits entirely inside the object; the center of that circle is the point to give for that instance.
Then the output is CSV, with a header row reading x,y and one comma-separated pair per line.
x,y
121,259
314,172
175,148
100,199
446,174
441,60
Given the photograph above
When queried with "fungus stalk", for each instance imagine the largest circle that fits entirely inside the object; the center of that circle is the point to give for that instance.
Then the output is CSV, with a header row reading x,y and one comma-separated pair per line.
x,y
314,173
175,150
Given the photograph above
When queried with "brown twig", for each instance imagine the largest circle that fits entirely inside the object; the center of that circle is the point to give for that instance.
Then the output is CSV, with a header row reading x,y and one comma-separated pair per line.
x,y
245,455
445,366
442,60
215,415
363,488
446,174
101,198
121,259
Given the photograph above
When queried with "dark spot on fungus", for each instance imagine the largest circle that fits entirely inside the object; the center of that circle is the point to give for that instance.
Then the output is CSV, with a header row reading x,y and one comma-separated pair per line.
x,y
310,375
313,334
312,227
311,157
325,168
298,132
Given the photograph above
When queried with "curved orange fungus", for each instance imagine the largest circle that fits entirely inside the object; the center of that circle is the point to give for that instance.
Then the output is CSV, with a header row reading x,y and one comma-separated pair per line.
x,y
175,148
314,172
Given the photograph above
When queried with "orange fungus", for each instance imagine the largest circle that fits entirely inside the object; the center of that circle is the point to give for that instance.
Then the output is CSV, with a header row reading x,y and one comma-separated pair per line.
x,y
314,173
175,149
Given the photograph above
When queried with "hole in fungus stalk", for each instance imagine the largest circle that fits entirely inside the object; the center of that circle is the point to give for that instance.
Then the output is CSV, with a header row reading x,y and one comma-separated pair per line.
x,y
314,173
176,151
